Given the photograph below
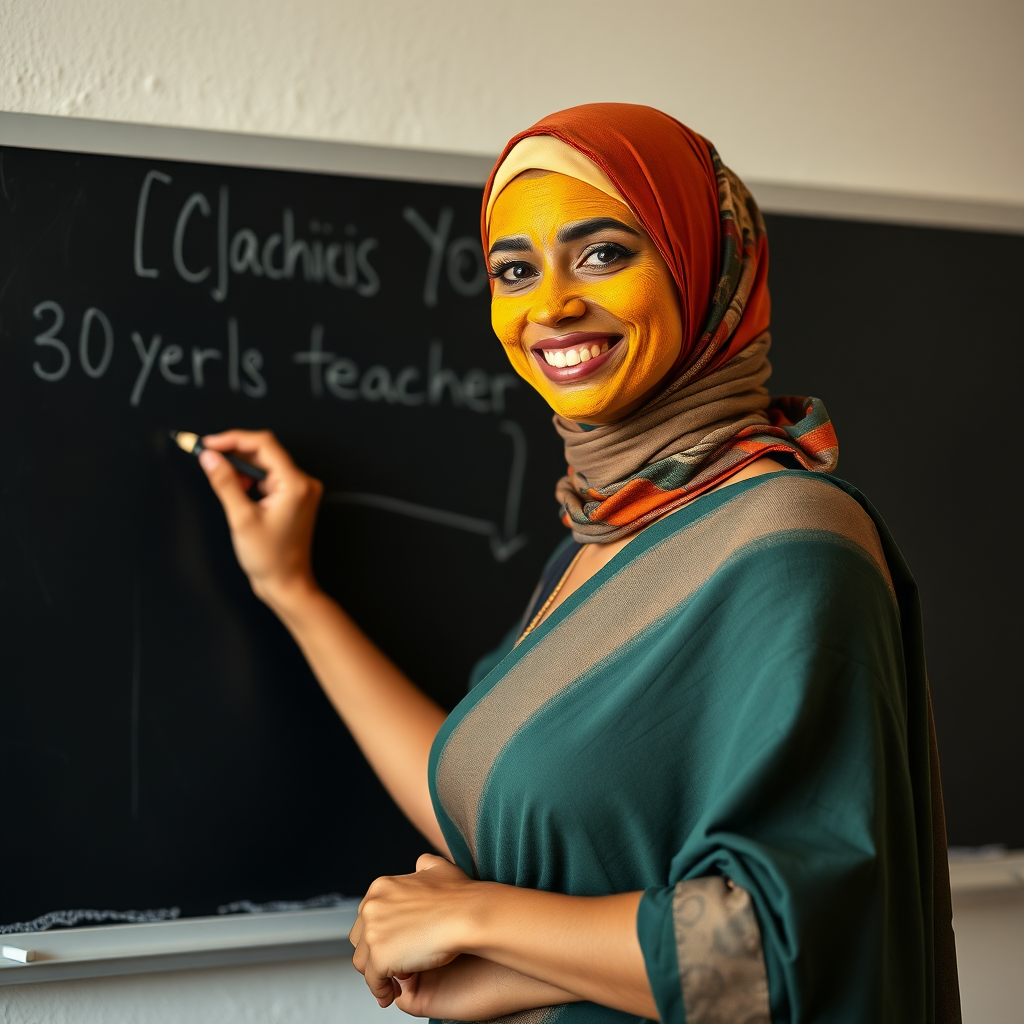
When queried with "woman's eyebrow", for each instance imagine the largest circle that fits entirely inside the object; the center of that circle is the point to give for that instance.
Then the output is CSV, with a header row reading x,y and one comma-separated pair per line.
x,y
511,243
582,228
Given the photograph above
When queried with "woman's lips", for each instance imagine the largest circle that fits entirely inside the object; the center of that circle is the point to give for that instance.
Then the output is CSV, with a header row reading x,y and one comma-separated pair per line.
x,y
574,356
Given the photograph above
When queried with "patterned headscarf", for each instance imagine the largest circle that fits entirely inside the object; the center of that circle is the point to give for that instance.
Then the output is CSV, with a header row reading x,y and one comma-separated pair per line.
x,y
713,416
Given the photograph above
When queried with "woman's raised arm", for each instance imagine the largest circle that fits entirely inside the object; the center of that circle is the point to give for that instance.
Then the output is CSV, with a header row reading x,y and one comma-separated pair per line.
x,y
390,718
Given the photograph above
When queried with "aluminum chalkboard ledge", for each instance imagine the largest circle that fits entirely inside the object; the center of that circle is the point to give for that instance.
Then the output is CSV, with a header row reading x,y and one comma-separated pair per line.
x,y
238,149
159,142
179,945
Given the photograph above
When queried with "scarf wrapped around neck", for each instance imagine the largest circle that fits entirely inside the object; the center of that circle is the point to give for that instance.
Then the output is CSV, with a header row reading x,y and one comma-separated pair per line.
x,y
689,439
714,416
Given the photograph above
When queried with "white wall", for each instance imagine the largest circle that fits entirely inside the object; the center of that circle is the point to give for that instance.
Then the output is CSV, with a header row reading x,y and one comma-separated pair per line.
x,y
989,928
918,97
924,98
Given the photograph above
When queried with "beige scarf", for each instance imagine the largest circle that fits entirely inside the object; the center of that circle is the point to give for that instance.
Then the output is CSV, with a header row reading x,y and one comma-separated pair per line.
x,y
690,438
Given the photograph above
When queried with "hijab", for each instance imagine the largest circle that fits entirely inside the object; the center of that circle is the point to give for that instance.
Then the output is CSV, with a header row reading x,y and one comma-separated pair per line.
x,y
712,415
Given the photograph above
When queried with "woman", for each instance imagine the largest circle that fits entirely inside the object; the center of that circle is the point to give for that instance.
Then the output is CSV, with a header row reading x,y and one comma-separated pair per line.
x,y
698,782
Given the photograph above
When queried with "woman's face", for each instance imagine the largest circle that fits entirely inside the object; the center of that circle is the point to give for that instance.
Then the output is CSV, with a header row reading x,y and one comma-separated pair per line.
x,y
583,301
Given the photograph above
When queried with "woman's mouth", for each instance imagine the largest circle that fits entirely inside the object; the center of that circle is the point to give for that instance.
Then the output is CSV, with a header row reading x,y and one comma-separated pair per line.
x,y
573,356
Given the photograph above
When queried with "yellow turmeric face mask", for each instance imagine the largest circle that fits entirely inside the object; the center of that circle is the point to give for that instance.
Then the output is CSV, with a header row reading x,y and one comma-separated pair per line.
x,y
583,301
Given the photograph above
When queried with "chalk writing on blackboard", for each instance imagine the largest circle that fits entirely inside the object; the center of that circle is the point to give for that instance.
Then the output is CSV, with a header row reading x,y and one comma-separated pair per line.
x,y
53,363
200,366
240,250
340,376
88,340
467,273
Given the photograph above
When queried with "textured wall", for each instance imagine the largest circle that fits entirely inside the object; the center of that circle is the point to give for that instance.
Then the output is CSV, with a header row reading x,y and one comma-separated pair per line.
x,y
924,97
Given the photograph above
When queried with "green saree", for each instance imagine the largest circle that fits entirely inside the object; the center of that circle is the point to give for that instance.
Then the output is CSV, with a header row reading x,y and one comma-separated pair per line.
x,y
733,717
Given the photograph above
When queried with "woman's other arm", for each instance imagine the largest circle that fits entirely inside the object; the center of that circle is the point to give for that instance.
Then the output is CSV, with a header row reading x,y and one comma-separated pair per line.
x,y
390,718
584,945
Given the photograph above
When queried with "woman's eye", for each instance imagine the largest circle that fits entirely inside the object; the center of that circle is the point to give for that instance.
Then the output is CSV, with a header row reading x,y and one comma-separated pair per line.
x,y
606,254
512,273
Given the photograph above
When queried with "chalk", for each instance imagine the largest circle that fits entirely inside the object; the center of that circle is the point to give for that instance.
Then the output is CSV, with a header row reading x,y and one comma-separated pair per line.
x,y
191,443
23,956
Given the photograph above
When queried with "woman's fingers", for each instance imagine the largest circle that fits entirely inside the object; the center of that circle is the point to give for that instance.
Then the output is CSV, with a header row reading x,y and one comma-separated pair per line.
x,y
261,446
272,537
404,926
383,987
360,955
227,485
465,989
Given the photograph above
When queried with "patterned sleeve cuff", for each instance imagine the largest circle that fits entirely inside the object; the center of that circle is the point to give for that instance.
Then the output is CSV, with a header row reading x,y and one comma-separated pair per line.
x,y
702,947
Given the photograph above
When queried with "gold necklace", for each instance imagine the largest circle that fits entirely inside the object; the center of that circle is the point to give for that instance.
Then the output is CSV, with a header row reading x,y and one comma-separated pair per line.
x,y
535,621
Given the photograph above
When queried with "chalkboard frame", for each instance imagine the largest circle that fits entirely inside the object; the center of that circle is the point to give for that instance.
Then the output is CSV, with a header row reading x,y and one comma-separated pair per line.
x,y
282,935
235,149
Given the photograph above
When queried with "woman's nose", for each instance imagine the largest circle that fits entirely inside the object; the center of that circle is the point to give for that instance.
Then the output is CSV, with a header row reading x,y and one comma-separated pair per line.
x,y
555,305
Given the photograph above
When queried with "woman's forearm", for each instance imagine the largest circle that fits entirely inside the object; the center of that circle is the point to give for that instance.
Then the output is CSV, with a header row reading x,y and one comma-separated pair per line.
x,y
393,721
582,944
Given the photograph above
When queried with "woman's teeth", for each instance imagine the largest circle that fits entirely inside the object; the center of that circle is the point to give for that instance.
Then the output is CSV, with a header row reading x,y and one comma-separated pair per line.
x,y
574,356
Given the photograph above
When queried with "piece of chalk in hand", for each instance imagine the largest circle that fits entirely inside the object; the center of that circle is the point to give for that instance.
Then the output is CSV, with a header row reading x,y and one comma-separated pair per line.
x,y
193,444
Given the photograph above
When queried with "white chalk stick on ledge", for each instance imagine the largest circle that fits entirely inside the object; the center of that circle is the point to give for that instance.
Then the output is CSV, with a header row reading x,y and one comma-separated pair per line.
x,y
23,956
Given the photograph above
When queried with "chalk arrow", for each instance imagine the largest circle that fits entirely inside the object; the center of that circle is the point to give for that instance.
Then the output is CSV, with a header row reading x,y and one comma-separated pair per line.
x,y
505,540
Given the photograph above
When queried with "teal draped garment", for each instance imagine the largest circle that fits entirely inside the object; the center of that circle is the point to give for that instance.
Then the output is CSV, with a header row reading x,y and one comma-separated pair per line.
x,y
733,717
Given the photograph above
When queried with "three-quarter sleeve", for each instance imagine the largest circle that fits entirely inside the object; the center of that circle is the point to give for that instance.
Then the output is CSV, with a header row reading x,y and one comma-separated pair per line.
x,y
703,950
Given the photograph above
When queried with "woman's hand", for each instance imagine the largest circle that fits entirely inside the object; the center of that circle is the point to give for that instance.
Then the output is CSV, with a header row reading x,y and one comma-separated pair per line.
x,y
409,923
470,988
272,537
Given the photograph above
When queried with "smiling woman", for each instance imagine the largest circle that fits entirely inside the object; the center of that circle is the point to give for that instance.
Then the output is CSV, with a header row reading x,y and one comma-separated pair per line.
x,y
698,780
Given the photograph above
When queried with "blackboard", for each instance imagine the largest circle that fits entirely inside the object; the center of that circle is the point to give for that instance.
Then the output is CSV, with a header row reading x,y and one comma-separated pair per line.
x,y
176,751
165,747
911,335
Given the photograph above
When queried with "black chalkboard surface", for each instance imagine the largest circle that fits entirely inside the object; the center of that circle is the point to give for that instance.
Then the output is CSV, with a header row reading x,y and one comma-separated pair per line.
x,y
913,338
174,747
165,746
